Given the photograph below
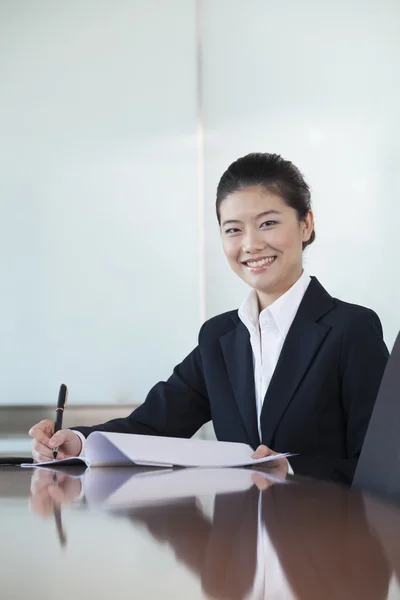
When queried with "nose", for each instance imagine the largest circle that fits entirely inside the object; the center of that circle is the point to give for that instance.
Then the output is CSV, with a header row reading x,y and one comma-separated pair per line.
x,y
253,242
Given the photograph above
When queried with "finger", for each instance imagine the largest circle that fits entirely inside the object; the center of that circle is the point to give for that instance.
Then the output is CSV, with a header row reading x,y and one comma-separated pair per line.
x,y
40,457
62,495
44,458
59,438
57,493
41,431
262,451
278,463
43,478
42,449
41,504
60,477
261,482
40,480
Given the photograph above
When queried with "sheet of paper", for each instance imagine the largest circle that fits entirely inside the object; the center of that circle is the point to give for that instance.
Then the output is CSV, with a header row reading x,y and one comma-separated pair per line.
x,y
74,461
118,448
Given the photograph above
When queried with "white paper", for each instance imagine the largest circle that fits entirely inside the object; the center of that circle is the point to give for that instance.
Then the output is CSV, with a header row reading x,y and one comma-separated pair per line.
x,y
118,449
73,461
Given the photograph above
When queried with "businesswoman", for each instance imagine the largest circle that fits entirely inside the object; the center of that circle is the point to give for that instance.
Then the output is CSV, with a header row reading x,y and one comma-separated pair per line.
x,y
292,370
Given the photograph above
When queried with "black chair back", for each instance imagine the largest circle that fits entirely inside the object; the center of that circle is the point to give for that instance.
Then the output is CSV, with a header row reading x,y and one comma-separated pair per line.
x,y
378,468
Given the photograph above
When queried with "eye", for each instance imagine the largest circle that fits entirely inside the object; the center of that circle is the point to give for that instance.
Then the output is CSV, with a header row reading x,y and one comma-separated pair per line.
x,y
232,231
268,223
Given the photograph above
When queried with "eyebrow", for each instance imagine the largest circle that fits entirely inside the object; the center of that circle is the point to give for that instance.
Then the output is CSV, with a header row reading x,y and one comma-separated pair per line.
x,y
263,214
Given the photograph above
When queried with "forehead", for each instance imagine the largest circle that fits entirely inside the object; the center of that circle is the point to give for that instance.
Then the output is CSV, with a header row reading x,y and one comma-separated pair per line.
x,y
248,202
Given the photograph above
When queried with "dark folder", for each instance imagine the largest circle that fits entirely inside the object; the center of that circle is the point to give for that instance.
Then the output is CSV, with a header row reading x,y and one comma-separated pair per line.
x,y
14,460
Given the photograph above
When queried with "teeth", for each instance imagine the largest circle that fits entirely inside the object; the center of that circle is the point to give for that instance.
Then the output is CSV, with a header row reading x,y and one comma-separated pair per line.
x,y
260,263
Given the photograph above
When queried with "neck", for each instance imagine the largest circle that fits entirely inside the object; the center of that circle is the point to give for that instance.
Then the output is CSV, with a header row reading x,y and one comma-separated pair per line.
x,y
265,299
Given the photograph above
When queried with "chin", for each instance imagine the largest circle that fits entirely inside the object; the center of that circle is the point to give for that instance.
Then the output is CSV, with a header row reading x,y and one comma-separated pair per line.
x,y
271,286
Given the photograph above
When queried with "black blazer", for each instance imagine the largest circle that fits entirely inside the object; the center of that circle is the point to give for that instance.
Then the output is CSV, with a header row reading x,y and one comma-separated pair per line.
x,y
319,401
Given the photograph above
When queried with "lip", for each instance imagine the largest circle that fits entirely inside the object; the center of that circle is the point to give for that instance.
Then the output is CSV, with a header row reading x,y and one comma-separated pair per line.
x,y
255,259
260,268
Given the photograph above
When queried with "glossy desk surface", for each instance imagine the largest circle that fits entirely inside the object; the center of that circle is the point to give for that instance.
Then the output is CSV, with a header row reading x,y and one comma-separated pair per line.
x,y
192,534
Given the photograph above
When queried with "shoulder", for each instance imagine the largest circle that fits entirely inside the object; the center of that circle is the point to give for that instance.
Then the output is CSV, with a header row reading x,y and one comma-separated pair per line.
x,y
355,315
219,325
359,327
336,312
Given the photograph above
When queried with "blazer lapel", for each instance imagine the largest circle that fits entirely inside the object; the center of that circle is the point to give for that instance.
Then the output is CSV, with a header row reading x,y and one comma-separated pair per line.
x,y
299,349
238,357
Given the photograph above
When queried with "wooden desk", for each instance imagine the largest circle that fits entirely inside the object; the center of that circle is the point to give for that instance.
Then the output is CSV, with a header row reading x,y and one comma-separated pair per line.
x,y
310,540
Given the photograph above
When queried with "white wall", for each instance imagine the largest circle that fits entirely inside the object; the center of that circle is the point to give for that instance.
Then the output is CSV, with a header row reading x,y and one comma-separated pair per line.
x,y
317,82
99,240
98,180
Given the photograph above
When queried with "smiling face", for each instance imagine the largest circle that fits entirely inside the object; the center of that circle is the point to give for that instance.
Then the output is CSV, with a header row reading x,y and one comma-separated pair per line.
x,y
263,240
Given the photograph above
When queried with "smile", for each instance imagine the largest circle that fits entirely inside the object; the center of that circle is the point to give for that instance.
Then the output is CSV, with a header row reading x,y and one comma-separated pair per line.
x,y
259,265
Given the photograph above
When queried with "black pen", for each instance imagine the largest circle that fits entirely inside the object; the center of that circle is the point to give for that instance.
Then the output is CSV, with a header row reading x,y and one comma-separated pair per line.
x,y
62,401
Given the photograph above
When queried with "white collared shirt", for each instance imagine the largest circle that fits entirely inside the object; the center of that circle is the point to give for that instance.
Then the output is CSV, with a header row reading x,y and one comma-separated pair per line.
x,y
268,330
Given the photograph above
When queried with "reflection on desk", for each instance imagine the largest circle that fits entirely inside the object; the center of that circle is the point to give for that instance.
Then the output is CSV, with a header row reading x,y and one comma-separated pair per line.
x,y
228,533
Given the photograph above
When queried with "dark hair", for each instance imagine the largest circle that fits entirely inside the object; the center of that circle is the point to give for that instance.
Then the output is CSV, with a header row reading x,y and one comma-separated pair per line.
x,y
272,172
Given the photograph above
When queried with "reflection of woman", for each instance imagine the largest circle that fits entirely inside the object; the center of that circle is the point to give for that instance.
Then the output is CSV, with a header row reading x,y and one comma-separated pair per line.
x,y
324,542
307,541
318,532
294,369
222,553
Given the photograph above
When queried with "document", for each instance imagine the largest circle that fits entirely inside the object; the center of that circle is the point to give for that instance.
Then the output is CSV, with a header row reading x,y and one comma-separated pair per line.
x,y
118,449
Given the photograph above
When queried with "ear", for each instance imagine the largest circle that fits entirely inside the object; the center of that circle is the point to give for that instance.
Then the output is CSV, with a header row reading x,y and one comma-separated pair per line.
x,y
307,226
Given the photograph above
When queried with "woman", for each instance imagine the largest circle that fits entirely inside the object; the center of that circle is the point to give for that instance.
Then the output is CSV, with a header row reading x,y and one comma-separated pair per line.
x,y
293,370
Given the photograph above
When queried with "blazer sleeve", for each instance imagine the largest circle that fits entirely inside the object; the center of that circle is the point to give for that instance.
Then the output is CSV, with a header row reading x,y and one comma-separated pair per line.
x,y
177,407
364,357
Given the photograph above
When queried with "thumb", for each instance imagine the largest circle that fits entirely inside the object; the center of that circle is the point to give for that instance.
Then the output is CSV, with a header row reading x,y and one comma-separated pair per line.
x,y
59,438
262,451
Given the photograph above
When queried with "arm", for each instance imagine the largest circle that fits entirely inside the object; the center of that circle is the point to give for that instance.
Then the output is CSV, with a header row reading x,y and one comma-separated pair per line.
x,y
363,360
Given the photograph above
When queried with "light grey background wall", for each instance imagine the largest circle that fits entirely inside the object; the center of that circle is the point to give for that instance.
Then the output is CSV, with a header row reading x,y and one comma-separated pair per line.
x,y
101,178
98,178
316,82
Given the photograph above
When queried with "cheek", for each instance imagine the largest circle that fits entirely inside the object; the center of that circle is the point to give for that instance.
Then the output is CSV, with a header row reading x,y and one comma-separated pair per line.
x,y
287,241
231,249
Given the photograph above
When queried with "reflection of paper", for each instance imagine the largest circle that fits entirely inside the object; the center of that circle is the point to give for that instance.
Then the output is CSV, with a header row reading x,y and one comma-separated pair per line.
x,y
152,487
117,449
74,472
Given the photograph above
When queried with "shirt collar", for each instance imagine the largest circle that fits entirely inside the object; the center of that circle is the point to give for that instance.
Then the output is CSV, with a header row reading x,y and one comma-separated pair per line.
x,y
283,310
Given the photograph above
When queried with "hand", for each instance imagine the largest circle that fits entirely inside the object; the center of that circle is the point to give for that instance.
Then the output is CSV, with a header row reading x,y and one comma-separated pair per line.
x,y
44,442
280,466
50,489
262,482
